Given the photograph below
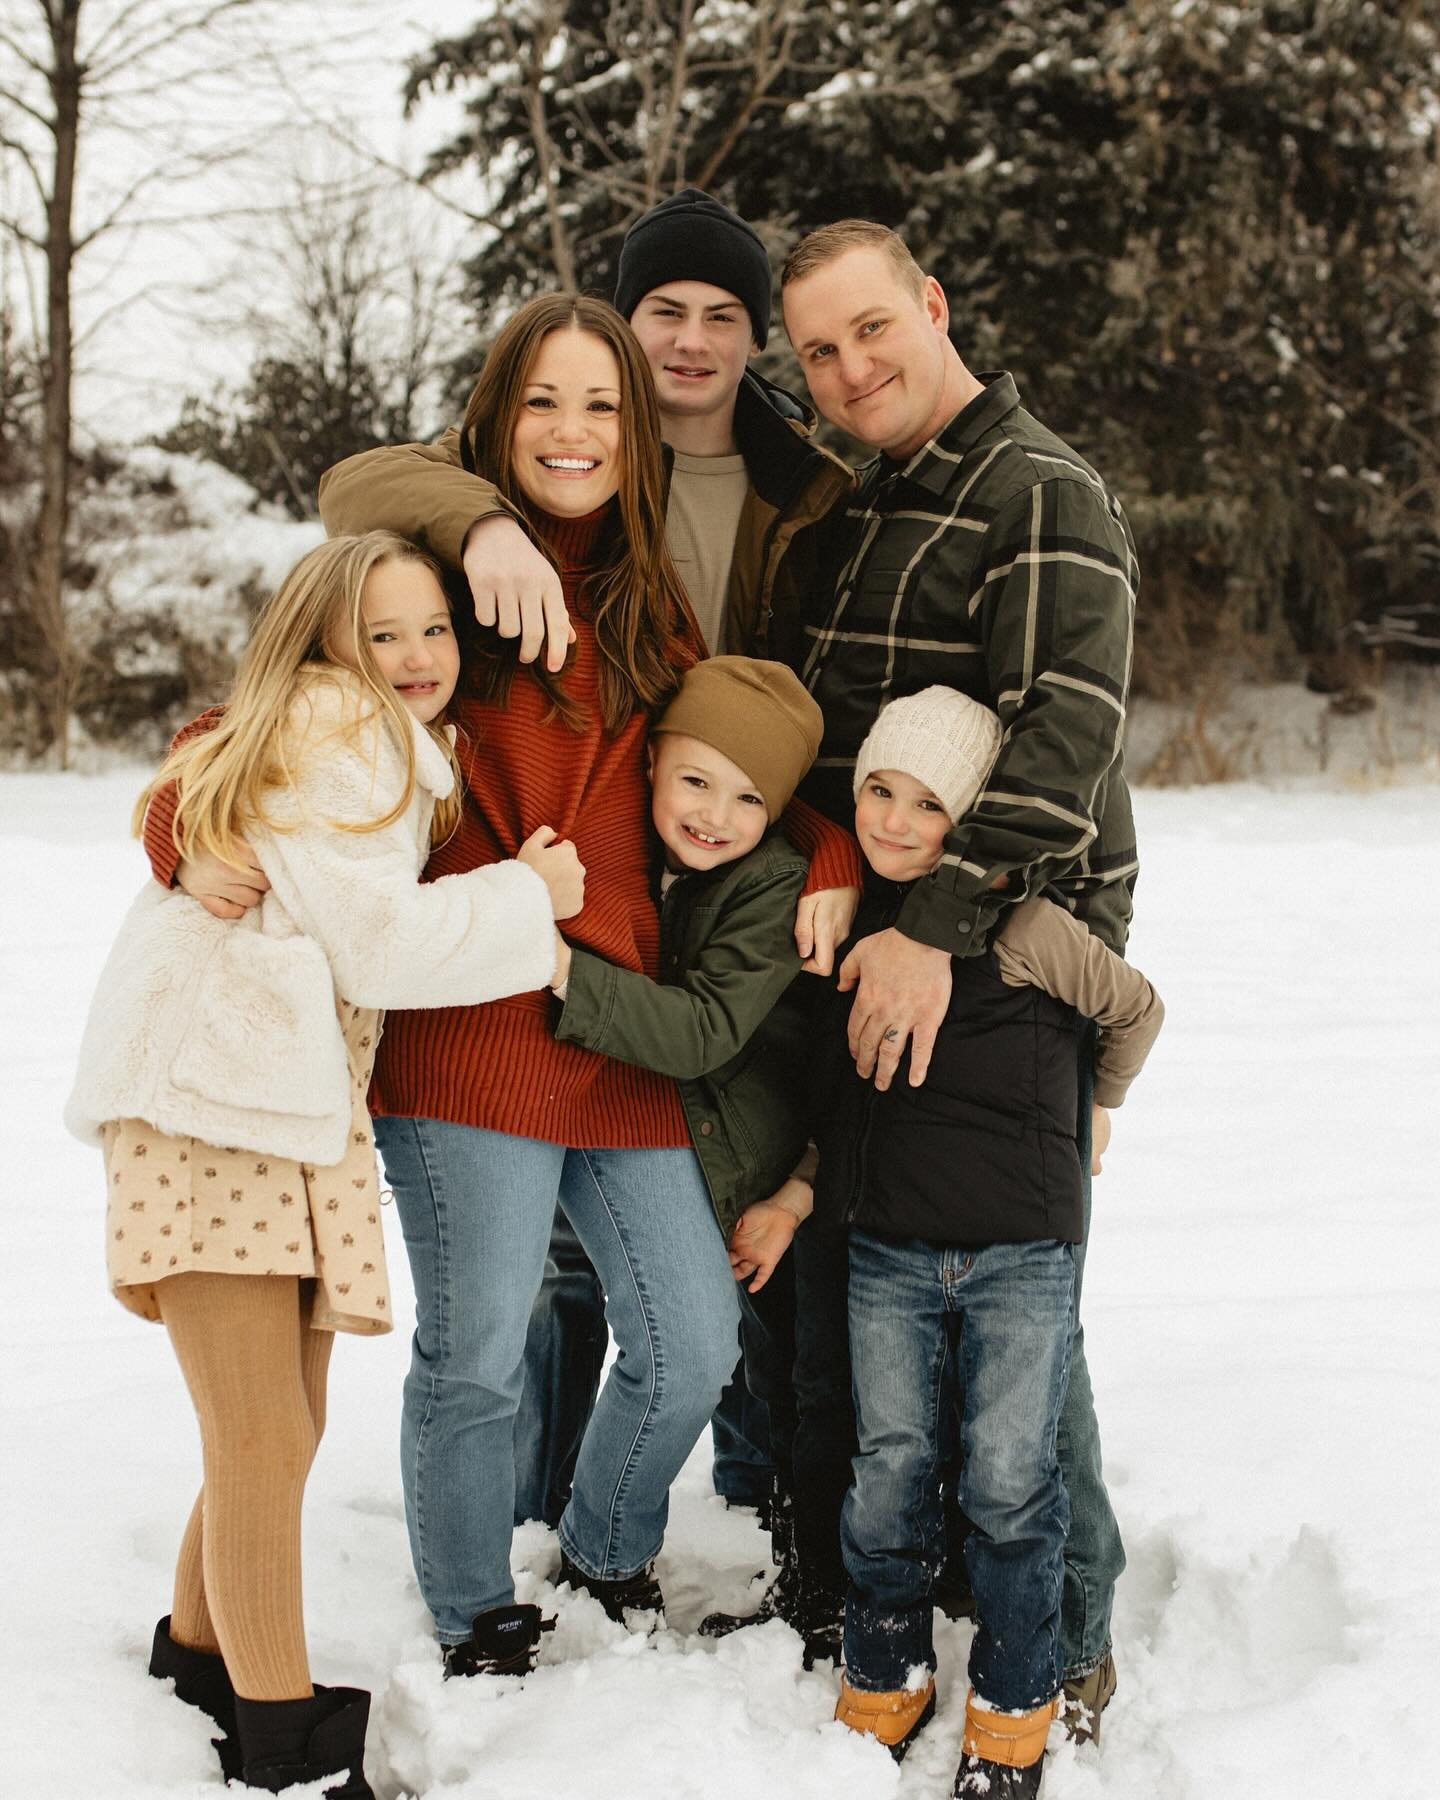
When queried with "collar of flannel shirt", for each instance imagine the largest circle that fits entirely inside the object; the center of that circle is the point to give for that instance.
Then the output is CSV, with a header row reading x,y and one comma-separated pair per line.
x,y
933,465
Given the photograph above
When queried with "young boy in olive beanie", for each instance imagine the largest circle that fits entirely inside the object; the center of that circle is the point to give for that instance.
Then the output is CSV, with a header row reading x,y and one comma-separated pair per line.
x,y
725,758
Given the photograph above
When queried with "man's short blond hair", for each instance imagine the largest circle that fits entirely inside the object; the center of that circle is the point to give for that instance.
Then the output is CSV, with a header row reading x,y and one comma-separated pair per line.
x,y
823,245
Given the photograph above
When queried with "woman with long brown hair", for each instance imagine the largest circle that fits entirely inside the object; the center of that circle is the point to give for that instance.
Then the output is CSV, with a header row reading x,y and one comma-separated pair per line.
x,y
485,1121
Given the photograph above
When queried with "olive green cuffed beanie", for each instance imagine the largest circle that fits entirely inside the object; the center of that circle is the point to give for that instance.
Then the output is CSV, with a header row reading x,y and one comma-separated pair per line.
x,y
756,713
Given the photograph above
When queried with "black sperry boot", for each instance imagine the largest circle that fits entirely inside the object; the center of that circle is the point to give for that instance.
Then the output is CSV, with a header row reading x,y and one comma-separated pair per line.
x,y
503,1641
202,1681
283,1742
637,1593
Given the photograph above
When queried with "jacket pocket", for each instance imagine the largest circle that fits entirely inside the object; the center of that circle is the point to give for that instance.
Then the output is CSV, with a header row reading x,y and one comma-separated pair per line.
x,y
263,1034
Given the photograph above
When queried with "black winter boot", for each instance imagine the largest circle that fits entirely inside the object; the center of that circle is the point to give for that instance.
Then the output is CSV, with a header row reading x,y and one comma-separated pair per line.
x,y
283,1742
978,1778
637,1593
202,1681
503,1641
815,1611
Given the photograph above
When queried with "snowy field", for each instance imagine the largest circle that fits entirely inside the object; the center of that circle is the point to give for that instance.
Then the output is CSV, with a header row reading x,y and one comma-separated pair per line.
x,y
1261,1309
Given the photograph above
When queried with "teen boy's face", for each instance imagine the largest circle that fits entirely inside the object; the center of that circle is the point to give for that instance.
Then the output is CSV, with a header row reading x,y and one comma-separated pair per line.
x,y
566,445
405,617
873,351
705,809
697,339
900,824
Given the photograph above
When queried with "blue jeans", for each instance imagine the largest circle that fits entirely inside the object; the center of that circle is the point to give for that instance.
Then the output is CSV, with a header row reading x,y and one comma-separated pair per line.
x,y
1094,1554
742,1470
1012,1308
564,1354
476,1208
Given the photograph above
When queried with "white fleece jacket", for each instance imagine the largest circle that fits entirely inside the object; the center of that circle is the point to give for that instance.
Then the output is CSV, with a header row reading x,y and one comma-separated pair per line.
x,y
228,1031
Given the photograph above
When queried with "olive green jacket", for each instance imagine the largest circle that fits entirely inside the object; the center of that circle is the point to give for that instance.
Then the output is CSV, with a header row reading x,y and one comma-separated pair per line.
x,y
727,956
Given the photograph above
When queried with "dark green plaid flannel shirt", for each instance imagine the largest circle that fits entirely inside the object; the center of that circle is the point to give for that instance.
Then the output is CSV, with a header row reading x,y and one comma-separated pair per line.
x,y
995,561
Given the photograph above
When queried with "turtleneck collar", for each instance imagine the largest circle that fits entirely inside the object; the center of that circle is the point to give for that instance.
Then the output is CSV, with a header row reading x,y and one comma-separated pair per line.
x,y
574,540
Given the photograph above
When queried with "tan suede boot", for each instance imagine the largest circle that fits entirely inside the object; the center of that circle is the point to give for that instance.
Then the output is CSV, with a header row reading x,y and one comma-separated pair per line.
x,y
1085,1698
896,1718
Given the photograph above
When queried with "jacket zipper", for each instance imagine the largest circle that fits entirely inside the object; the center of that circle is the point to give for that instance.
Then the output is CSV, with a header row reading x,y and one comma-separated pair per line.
x,y
862,1145
886,918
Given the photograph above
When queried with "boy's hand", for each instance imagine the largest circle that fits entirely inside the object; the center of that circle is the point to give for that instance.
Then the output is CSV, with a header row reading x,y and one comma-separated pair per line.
x,y
517,590
557,863
822,924
562,961
763,1232
904,991
1099,1135
225,890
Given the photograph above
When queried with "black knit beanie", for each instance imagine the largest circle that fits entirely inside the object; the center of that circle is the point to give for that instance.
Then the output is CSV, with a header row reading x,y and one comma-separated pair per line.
x,y
691,237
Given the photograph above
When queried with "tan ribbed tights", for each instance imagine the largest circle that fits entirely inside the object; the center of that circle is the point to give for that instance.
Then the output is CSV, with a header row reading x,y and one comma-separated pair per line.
x,y
256,1373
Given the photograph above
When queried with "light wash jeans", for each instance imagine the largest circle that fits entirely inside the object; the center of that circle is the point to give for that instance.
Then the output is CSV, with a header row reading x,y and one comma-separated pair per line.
x,y
564,1354
476,1208
1011,1308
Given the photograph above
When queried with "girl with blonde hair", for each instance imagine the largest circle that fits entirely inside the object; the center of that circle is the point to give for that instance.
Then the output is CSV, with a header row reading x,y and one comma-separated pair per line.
x,y
224,1071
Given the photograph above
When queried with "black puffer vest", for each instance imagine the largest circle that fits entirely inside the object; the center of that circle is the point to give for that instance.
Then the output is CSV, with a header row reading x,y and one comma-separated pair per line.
x,y
982,1153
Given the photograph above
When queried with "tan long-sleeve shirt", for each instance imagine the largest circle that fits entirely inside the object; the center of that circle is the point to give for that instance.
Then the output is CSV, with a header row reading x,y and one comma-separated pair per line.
x,y
1042,946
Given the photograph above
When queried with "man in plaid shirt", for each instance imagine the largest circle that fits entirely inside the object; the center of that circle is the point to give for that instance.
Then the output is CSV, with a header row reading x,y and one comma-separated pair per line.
x,y
979,552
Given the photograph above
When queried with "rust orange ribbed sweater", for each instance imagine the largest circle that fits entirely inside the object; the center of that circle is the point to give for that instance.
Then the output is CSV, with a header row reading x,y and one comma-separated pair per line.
x,y
499,1066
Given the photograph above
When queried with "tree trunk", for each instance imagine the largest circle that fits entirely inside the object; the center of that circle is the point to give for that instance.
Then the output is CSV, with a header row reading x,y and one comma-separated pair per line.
x,y
52,527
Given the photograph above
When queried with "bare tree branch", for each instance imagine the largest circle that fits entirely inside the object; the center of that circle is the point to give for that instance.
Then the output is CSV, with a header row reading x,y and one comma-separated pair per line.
x,y
31,167
166,38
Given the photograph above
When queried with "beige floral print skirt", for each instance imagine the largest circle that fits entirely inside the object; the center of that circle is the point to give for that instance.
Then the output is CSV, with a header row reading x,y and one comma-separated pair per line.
x,y
174,1204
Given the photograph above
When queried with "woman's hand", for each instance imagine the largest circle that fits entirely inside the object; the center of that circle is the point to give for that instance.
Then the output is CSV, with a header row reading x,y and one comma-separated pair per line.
x,y
558,865
763,1232
225,890
822,924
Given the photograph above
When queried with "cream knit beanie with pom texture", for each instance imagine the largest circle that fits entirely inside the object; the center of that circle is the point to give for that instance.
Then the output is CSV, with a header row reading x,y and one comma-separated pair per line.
x,y
939,737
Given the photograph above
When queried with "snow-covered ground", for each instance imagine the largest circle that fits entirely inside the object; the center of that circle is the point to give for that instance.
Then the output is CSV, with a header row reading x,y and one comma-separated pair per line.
x,y
1261,1308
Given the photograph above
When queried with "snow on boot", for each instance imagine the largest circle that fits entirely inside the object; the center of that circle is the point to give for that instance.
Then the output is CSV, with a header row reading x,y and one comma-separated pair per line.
x,y
505,1640
1084,1698
1002,1755
202,1681
283,1742
820,1620
896,1718
777,1602
817,1613
637,1593
978,1778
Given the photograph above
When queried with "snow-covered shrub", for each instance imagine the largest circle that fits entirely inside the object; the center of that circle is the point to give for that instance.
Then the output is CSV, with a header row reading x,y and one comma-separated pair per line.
x,y
170,559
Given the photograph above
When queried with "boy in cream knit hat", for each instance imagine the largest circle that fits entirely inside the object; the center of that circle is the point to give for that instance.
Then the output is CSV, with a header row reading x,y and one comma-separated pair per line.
x,y
962,1200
